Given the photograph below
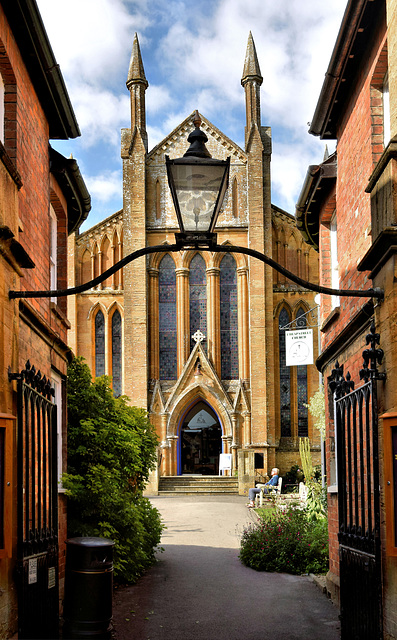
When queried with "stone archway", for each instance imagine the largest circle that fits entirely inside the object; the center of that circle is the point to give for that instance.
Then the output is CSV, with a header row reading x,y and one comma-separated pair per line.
x,y
200,441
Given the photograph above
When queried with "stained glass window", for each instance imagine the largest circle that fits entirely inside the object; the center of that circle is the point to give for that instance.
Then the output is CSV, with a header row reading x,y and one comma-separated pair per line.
x,y
167,319
285,378
116,354
301,374
229,328
198,298
99,344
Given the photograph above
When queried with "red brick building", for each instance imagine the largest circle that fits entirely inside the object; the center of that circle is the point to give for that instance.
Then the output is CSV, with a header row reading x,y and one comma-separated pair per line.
x,y
347,210
43,198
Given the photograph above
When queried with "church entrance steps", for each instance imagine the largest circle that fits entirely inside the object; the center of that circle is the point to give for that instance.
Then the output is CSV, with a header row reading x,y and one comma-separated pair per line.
x,y
191,484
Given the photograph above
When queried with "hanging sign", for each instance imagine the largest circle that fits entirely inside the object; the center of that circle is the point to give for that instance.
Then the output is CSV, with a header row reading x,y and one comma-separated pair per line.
x,y
298,347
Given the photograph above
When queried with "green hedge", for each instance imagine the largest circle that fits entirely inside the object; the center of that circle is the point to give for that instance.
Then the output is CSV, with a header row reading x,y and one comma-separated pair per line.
x,y
111,448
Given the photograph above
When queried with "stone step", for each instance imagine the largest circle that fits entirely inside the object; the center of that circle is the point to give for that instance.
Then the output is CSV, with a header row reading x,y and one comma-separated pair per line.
x,y
197,484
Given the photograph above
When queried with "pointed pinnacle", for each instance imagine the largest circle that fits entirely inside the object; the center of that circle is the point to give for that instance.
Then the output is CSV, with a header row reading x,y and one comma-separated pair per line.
x,y
136,73
251,65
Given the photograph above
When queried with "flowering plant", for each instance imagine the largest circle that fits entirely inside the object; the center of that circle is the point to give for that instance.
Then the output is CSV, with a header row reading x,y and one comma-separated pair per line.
x,y
286,542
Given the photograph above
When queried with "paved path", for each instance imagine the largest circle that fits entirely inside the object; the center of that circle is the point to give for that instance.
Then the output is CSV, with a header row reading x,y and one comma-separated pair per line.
x,y
199,590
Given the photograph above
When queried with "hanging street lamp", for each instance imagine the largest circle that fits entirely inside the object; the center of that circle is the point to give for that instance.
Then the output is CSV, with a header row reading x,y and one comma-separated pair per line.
x,y
198,185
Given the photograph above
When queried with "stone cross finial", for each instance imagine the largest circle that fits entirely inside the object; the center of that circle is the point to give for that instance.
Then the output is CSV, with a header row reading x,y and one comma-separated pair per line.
x,y
198,336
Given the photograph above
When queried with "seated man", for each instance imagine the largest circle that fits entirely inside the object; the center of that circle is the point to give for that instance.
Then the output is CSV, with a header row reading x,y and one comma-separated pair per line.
x,y
273,482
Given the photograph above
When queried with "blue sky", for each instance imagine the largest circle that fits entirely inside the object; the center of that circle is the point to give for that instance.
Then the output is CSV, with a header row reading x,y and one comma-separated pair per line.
x,y
193,54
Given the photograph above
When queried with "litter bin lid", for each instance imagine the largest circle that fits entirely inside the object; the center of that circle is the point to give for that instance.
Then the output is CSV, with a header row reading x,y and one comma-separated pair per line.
x,y
87,541
89,553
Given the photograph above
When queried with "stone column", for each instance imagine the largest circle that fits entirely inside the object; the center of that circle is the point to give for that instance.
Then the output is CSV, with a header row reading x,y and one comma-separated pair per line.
x,y
243,322
234,441
247,428
120,271
100,268
213,319
173,457
113,278
182,305
154,347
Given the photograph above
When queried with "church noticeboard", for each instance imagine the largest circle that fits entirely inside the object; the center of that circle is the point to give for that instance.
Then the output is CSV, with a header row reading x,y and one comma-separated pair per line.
x,y
298,347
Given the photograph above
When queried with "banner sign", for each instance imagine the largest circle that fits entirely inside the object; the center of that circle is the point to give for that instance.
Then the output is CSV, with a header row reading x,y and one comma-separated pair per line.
x,y
298,347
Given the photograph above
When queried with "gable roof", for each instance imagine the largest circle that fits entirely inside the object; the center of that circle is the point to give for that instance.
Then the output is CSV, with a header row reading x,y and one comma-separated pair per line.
x,y
31,37
185,128
360,21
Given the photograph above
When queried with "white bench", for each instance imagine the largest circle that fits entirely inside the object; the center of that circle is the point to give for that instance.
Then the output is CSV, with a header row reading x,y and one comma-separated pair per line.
x,y
294,500
272,490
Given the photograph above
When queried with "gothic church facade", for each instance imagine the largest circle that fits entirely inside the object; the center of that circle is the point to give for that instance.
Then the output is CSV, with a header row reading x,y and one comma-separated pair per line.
x,y
197,338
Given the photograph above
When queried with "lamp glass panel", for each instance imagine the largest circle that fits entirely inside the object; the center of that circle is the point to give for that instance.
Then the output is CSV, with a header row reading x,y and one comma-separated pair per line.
x,y
197,189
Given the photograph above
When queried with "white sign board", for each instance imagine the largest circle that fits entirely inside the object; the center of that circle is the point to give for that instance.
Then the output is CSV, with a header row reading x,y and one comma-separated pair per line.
x,y
32,573
298,347
225,462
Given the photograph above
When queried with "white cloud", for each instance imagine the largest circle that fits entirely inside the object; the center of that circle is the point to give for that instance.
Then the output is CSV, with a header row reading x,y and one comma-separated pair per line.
x,y
92,39
104,186
100,113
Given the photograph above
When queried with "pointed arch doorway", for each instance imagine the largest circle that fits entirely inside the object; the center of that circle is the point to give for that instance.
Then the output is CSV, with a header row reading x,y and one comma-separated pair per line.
x,y
200,441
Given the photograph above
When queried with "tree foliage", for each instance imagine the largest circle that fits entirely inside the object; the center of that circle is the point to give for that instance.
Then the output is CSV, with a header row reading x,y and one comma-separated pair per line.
x,y
111,449
316,408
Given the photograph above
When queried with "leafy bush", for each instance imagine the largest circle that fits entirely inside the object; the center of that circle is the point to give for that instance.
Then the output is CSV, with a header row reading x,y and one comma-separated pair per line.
x,y
286,542
111,448
293,476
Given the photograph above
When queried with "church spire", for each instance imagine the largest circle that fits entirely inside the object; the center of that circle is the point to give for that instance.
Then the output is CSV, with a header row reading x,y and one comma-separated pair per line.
x,y
251,81
137,85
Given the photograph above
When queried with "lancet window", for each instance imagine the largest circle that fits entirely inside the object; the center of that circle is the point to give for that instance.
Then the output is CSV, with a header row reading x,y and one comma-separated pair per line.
x,y
228,317
198,297
99,344
285,379
167,319
301,374
116,353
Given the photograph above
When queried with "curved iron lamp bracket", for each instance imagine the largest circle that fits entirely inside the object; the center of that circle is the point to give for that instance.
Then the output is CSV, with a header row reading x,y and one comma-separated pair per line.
x,y
216,248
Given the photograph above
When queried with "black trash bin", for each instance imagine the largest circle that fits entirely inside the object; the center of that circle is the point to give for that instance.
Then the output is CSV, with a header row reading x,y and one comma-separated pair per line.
x,y
87,609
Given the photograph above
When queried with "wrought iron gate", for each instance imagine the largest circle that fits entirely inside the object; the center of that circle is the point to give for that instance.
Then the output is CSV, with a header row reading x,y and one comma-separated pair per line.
x,y
38,606
356,422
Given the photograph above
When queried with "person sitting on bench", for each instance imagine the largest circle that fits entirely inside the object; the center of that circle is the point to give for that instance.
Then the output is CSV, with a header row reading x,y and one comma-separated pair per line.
x,y
273,482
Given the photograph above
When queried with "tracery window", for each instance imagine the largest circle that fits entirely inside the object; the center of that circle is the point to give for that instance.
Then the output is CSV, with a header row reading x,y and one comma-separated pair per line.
x,y
116,353
99,344
228,316
285,378
198,298
301,374
167,319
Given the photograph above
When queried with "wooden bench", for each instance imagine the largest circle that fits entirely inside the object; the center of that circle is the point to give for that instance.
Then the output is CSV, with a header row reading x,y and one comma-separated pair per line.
x,y
273,491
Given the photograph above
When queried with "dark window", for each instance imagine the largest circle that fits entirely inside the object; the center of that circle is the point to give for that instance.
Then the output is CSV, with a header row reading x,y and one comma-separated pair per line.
x,y
301,374
198,298
285,379
99,344
116,353
167,319
229,327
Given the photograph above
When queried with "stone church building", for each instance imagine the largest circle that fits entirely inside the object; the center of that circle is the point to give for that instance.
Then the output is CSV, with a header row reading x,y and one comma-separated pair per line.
x,y
197,338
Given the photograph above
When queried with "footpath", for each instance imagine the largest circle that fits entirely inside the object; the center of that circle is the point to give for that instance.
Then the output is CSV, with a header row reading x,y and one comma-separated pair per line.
x,y
199,589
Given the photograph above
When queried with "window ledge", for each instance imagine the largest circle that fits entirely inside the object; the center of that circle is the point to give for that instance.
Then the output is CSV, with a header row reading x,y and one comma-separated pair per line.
x,y
333,488
335,313
9,165
59,313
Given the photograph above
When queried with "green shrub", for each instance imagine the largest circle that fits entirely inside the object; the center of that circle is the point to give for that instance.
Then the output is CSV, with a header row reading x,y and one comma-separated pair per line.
x,y
286,542
111,448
